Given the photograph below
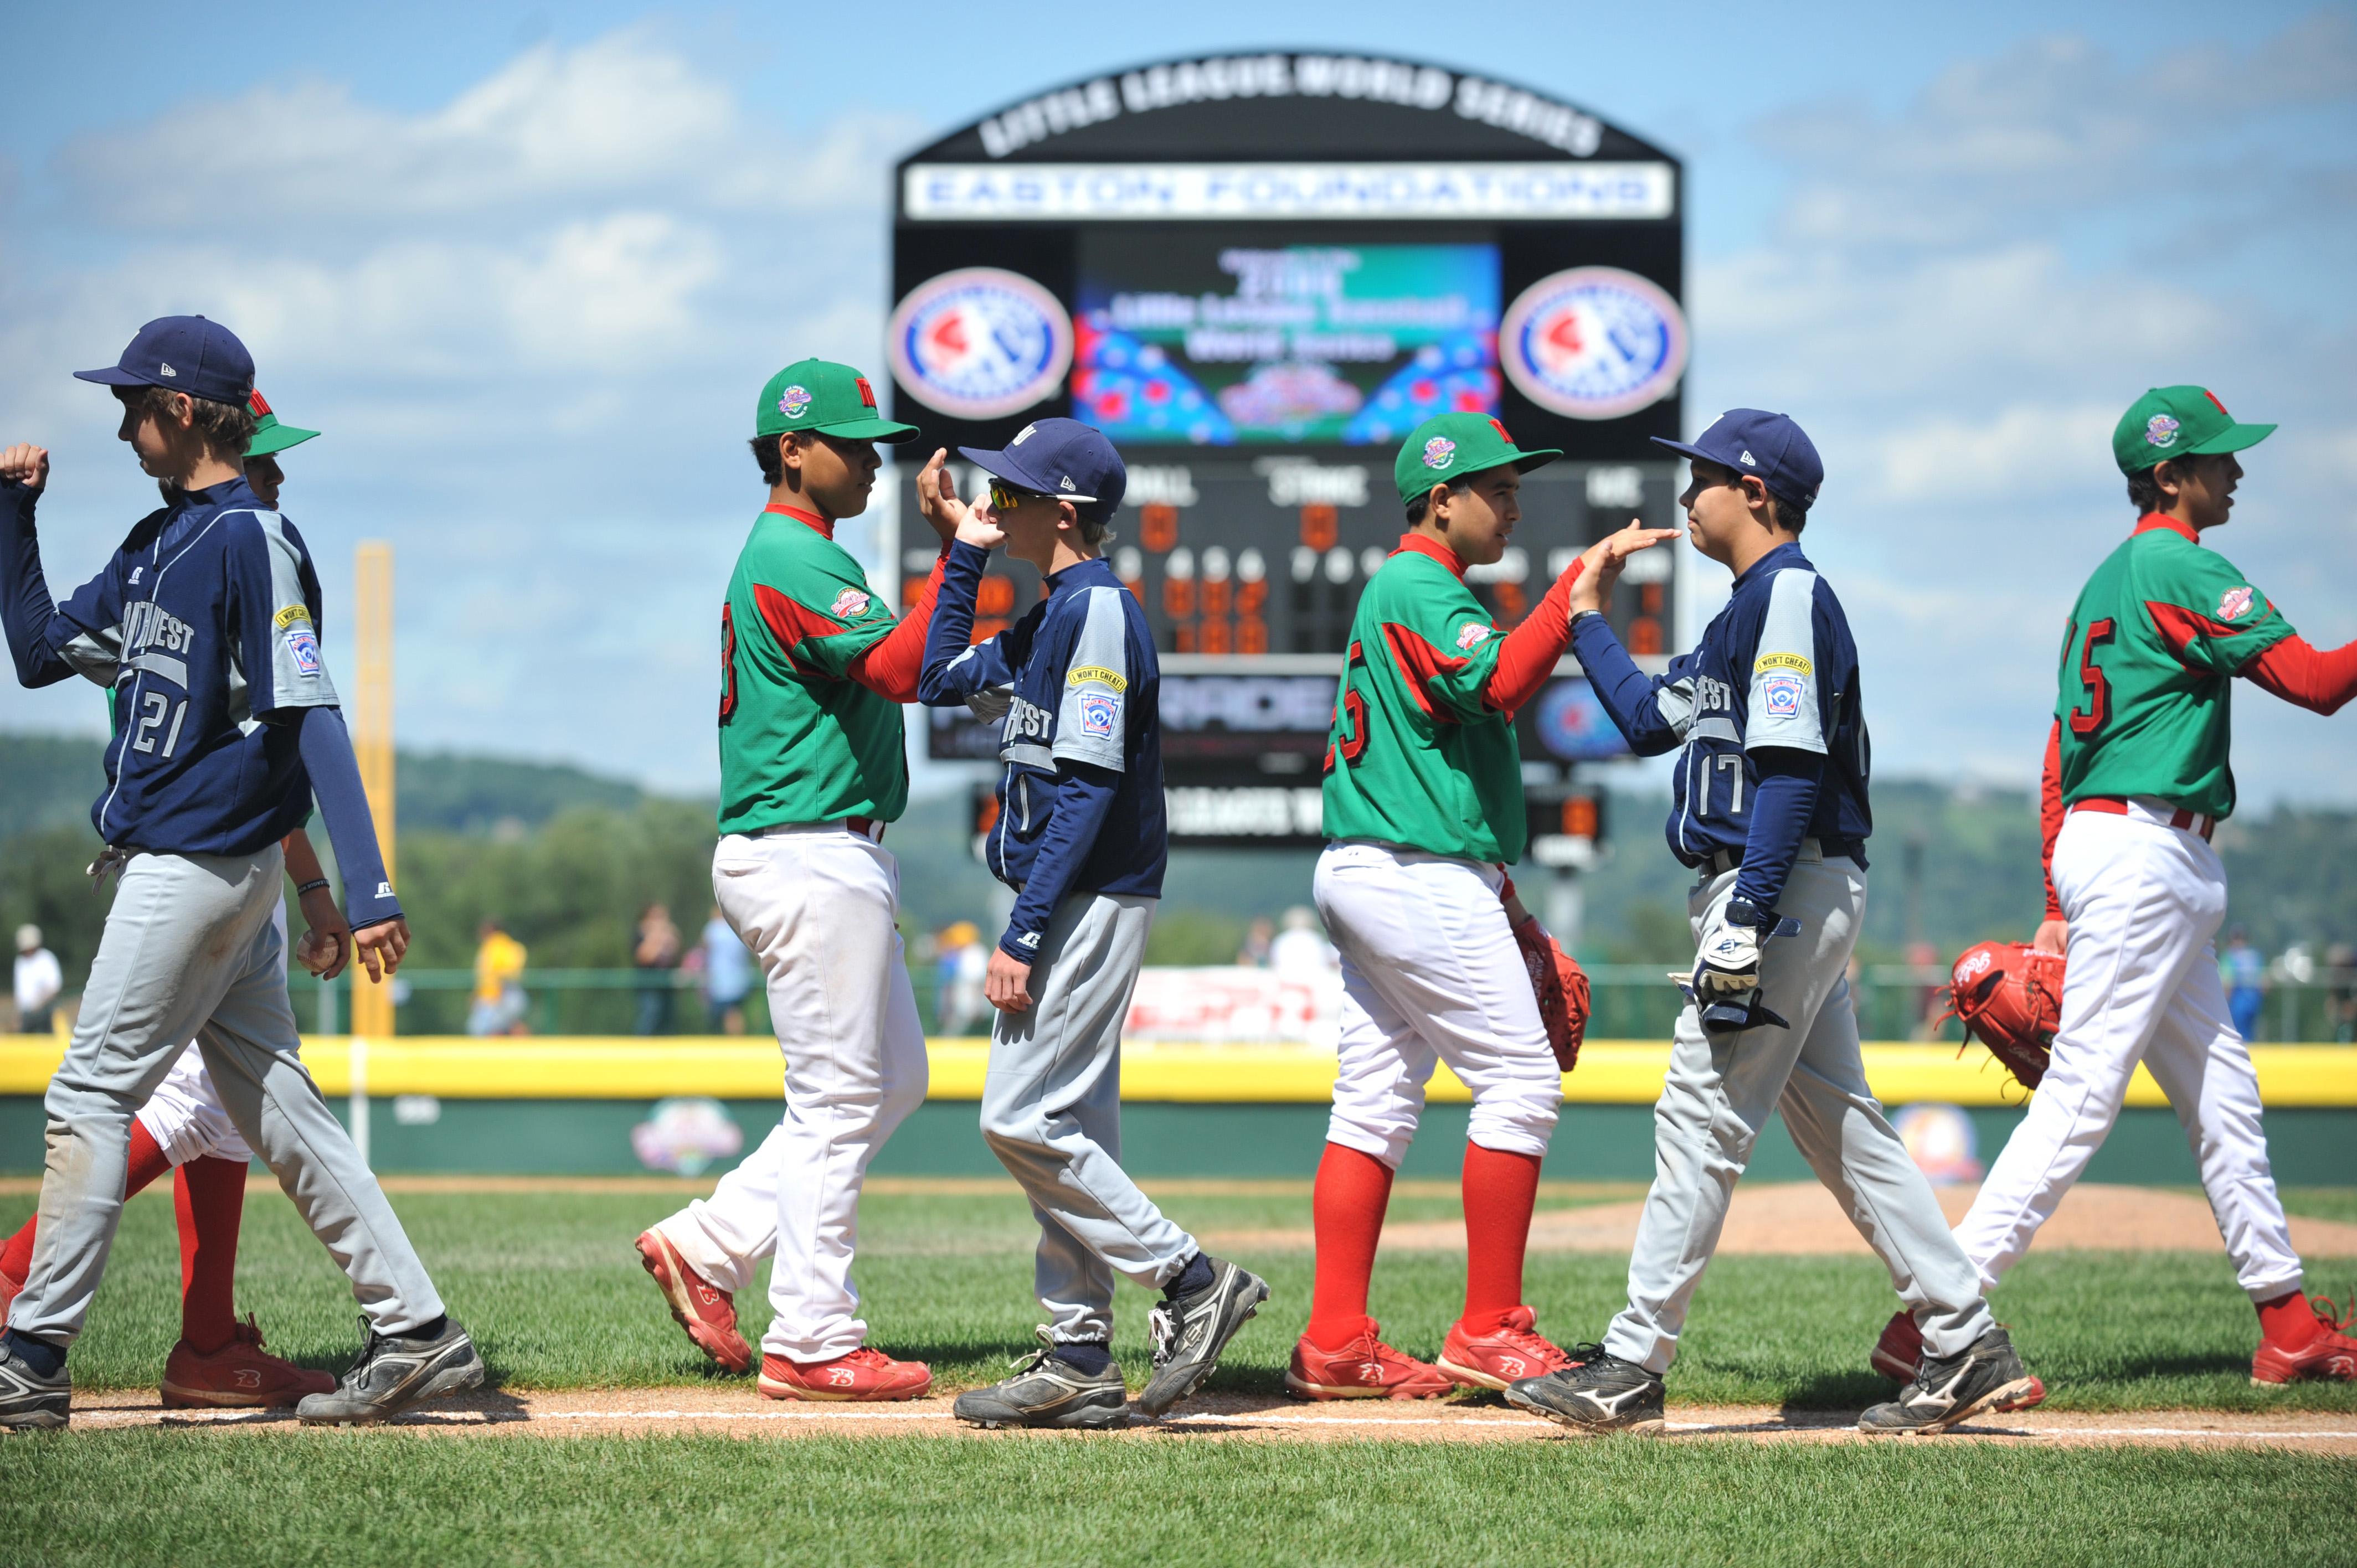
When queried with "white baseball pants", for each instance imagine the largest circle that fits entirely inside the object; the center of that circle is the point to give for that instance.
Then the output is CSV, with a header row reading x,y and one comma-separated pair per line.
x,y
815,905
1430,973
1717,1100
184,1115
2143,901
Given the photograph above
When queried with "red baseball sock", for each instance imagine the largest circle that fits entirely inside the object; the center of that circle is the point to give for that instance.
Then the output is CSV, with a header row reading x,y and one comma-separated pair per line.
x,y
1346,1208
2289,1322
211,1196
1499,1190
144,1163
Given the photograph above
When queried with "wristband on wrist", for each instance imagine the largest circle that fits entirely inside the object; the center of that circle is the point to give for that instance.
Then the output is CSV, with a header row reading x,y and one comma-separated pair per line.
x,y
1578,616
311,886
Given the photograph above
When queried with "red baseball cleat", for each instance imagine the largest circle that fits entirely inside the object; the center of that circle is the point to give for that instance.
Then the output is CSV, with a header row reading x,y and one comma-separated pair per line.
x,y
1365,1368
1898,1355
2331,1355
705,1311
1900,1351
864,1374
1507,1354
238,1374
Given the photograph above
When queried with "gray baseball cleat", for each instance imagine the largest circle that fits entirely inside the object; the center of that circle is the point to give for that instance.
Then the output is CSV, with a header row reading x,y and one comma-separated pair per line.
x,y
28,1400
394,1372
1987,1376
1189,1333
1047,1391
1598,1393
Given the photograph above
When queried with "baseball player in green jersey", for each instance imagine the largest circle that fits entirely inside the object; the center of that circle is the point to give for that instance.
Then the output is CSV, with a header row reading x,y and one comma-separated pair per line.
x,y
1423,813
813,765
2135,780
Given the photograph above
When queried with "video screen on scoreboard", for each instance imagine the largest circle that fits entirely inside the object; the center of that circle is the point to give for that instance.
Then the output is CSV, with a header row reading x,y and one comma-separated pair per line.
x,y
1205,343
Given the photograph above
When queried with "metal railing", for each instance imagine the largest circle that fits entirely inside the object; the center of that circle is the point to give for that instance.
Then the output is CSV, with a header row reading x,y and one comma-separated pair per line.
x,y
1894,1002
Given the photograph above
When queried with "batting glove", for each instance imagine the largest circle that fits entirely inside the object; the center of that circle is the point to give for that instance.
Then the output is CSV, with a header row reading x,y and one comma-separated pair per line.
x,y
1729,967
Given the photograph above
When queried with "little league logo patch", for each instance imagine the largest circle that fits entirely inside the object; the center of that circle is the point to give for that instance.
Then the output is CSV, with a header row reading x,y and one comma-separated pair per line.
x,y
1472,635
793,402
304,649
1781,694
1594,343
2160,431
2231,605
1439,452
980,343
848,605
1098,714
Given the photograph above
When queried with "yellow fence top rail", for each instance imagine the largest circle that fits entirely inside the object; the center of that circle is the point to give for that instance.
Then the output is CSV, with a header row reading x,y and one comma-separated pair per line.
x,y
1610,1072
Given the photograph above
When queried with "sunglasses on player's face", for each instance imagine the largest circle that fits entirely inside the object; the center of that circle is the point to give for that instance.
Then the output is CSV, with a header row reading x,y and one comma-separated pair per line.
x,y
1004,497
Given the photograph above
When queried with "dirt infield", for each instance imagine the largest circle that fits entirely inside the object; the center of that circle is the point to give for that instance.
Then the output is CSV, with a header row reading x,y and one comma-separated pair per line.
x,y
740,1413
1800,1219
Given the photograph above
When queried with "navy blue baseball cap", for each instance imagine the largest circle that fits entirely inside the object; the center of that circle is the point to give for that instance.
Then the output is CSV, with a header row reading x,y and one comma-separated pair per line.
x,y
1753,441
183,353
1063,459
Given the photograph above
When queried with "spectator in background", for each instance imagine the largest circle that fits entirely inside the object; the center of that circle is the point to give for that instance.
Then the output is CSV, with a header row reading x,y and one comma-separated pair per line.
x,y
38,981
728,975
961,966
654,951
1300,952
2340,992
1258,938
2244,973
500,1000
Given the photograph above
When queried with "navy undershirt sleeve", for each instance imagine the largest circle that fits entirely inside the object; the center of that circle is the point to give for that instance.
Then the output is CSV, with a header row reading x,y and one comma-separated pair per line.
x,y
1782,808
1083,799
1626,692
327,750
28,614
952,671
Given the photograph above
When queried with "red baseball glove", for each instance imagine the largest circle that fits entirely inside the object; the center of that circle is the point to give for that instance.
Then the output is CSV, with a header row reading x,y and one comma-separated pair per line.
x,y
1560,986
2009,997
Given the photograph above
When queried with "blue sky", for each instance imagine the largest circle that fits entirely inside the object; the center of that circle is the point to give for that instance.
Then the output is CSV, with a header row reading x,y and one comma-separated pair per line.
x,y
527,265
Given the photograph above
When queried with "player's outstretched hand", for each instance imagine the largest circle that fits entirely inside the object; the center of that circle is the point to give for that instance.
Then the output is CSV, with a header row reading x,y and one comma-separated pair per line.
x,y
2053,936
26,464
325,949
1599,566
951,518
382,946
1007,983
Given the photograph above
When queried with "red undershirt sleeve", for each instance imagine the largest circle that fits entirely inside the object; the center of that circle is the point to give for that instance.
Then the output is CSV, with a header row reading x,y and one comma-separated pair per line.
x,y
1530,652
2308,677
891,668
2049,814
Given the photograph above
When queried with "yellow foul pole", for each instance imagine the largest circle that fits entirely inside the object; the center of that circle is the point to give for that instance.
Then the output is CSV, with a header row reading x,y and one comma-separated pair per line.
x,y
371,712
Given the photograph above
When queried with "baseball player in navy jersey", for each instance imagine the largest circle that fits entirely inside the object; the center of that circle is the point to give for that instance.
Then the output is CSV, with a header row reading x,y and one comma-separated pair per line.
x,y
186,1129
1769,811
1080,838
205,623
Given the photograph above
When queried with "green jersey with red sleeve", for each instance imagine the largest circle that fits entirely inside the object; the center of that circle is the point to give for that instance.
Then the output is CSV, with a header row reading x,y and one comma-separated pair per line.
x,y
1419,754
2157,636
809,721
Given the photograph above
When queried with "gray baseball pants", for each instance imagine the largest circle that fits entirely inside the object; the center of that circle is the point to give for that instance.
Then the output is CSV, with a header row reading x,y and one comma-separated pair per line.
x,y
1052,1112
1721,1090
191,950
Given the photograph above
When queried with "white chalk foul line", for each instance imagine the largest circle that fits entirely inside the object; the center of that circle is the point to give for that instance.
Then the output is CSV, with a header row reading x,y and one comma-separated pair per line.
x,y
148,1416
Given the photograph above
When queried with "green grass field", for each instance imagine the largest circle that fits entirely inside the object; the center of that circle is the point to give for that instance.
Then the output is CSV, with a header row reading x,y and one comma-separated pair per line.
x,y
552,1292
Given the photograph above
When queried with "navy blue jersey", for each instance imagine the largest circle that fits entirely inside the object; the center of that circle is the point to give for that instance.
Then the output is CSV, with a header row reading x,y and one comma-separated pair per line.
x,y
1076,686
1775,669
205,624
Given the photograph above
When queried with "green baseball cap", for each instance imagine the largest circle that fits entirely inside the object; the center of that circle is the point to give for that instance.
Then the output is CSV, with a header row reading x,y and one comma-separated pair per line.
x,y
269,435
1455,446
831,399
2179,421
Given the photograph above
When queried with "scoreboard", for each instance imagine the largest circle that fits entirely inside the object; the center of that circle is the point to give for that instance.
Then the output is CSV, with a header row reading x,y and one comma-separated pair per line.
x,y
1257,273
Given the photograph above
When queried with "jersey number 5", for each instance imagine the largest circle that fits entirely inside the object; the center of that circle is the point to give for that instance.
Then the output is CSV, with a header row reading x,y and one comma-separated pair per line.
x,y
2099,692
1352,743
